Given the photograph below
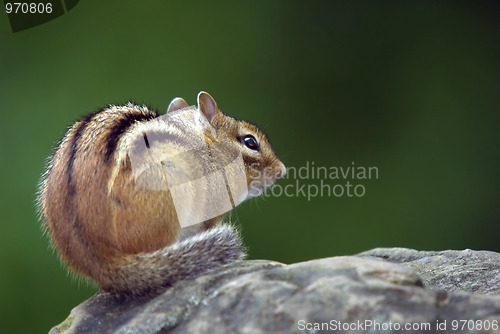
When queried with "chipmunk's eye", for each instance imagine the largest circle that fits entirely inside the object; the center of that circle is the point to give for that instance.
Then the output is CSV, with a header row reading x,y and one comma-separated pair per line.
x,y
250,142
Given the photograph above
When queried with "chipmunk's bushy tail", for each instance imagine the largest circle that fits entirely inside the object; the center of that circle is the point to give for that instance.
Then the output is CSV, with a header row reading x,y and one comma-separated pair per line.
x,y
149,273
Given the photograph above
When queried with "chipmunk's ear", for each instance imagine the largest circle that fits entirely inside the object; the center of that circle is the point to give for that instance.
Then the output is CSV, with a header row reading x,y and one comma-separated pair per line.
x,y
207,105
176,104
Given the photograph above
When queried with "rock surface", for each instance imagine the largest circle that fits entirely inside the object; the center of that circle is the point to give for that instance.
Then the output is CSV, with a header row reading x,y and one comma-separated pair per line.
x,y
392,290
465,271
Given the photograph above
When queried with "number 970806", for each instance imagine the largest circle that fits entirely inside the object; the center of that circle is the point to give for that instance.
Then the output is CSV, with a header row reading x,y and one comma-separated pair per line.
x,y
28,8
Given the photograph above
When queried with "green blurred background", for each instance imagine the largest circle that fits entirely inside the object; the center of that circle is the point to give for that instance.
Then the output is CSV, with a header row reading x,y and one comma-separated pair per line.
x,y
409,87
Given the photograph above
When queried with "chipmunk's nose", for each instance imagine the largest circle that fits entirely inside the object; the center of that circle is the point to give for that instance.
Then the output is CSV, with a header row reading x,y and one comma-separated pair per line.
x,y
282,170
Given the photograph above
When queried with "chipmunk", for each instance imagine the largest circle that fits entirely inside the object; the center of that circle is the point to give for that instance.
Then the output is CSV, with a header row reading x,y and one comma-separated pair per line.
x,y
128,238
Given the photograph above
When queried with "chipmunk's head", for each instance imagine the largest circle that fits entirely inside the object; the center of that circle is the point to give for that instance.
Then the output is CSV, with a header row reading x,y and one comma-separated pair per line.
x,y
236,139
262,166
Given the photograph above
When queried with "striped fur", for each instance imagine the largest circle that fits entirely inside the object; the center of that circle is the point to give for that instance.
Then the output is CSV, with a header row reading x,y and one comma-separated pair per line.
x,y
126,238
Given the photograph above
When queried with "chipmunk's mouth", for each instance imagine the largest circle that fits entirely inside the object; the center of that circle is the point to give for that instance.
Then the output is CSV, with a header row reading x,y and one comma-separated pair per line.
x,y
255,189
270,175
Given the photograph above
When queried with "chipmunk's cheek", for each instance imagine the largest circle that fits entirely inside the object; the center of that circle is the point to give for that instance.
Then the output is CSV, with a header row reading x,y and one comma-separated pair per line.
x,y
255,185
254,190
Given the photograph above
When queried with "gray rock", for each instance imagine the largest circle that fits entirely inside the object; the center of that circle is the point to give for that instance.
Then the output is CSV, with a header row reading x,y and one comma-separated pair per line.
x,y
465,271
382,290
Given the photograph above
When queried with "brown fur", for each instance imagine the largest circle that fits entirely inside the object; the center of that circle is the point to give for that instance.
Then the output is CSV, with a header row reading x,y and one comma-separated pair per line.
x,y
124,237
